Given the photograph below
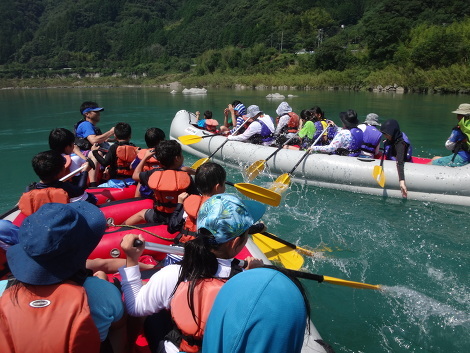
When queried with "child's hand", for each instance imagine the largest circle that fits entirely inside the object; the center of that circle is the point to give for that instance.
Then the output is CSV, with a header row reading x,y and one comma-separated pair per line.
x,y
95,147
253,262
182,197
132,251
149,153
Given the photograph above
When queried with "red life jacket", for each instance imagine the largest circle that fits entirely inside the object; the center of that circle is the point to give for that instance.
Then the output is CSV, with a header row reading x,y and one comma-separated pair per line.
x,y
42,319
125,155
167,185
204,295
293,123
151,163
32,200
191,206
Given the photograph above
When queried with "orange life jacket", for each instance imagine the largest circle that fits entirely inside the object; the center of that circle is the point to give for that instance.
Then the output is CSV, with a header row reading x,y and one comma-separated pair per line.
x,y
191,206
68,163
204,295
292,125
32,200
167,185
151,163
42,319
125,155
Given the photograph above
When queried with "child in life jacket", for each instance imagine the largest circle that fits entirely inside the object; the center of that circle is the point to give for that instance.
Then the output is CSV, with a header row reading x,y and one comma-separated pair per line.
x,y
50,167
120,155
288,123
167,182
188,289
207,122
63,141
210,180
52,304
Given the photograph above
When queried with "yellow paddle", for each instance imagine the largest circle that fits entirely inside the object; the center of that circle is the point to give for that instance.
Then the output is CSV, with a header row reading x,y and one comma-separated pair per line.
x,y
378,172
201,161
190,139
283,181
273,239
332,280
257,167
278,252
257,193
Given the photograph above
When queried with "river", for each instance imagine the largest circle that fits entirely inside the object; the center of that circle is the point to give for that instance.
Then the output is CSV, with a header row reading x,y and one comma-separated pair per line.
x,y
418,251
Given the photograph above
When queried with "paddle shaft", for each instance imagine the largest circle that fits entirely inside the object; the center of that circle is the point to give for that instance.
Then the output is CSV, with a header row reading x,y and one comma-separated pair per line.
x,y
279,148
308,151
285,242
68,176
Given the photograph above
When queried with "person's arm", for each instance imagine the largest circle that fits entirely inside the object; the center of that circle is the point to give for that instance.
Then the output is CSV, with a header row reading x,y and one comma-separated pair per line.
x,y
156,294
339,141
454,137
253,129
100,138
282,122
136,175
79,153
109,158
401,148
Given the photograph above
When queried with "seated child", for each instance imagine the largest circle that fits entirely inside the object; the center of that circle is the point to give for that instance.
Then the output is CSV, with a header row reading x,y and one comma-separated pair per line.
x,y
210,180
167,182
207,122
50,167
63,141
120,155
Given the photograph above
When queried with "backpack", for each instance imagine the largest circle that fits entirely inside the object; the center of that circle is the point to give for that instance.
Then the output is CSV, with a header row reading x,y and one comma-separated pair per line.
x,y
43,319
125,155
167,185
32,200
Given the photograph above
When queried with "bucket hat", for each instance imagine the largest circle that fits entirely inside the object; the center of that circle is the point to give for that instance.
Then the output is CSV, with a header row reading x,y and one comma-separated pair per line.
x,y
252,111
55,242
227,216
463,109
283,108
349,118
372,119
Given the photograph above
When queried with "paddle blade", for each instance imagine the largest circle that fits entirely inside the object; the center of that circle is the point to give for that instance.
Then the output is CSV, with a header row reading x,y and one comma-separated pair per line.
x,y
379,175
189,139
343,282
199,162
259,193
254,170
281,184
278,252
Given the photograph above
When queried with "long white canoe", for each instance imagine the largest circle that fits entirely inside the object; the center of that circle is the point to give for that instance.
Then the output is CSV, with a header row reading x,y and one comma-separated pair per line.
x,y
424,182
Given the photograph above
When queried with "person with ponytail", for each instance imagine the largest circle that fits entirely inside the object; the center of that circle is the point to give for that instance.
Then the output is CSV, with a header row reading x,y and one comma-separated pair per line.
x,y
187,290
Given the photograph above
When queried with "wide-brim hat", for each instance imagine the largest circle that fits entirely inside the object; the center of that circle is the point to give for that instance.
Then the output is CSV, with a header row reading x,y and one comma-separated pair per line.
x,y
252,111
349,119
463,109
227,216
55,242
372,119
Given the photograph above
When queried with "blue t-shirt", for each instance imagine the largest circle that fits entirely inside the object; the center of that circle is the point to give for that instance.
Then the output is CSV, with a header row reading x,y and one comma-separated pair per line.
x,y
457,136
104,300
86,129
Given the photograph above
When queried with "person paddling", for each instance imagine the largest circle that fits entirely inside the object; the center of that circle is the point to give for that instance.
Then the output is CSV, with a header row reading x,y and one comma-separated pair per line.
x,y
189,289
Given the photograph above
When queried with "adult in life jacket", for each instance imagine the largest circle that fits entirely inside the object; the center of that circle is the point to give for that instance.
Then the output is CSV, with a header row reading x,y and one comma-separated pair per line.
x,y
210,180
287,123
348,140
188,289
166,182
261,128
396,146
371,137
120,155
458,141
52,304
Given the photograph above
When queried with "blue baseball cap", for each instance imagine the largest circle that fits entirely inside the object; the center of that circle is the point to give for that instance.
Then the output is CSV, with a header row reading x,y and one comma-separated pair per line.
x,y
96,109
55,242
227,216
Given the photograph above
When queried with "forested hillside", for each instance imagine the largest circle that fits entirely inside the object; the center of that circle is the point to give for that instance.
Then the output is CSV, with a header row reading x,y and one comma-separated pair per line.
x,y
416,43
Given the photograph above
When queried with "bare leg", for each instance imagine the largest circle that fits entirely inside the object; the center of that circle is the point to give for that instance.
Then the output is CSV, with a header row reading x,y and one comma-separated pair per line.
x,y
139,217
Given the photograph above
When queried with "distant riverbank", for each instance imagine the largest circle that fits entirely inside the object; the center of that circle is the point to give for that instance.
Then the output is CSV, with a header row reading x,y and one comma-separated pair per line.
x,y
454,80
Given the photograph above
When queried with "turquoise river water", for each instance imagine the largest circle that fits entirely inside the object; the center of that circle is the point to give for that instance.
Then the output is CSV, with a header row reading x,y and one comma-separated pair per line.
x,y
418,251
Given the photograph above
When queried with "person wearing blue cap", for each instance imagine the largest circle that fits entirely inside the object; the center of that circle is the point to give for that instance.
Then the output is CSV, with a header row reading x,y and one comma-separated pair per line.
x,y
273,319
188,289
53,246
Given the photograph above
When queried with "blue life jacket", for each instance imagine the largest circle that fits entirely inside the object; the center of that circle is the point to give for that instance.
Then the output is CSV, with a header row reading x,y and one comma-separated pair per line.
x,y
266,135
371,139
356,143
388,150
